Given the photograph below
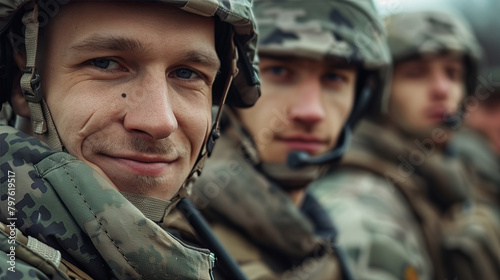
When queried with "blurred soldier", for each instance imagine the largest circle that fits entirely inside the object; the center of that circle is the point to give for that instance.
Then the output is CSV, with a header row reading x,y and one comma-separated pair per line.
x,y
121,94
401,199
320,62
479,143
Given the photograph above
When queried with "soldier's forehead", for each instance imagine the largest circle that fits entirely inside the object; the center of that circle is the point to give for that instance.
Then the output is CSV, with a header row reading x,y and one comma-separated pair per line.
x,y
447,55
332,62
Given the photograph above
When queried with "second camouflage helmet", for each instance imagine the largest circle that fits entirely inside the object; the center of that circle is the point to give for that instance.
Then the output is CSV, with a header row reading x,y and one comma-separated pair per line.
x,y
322,29
433,29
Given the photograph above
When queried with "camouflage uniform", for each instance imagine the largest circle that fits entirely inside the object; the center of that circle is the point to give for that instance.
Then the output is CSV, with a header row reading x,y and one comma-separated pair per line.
x,y
405,207
59,217
391,190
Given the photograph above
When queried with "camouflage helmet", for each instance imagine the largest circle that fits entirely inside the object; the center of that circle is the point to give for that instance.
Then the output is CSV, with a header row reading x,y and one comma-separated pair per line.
x,y
433,28
483,19
347,31
235,35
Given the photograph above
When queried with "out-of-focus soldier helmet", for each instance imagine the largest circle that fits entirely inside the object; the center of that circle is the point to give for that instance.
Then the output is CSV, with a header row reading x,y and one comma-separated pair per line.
x,y
433,28
344,30
483,18
235,35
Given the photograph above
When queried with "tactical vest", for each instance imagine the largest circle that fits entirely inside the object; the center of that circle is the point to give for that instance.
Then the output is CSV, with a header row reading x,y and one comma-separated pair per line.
x,y
462,236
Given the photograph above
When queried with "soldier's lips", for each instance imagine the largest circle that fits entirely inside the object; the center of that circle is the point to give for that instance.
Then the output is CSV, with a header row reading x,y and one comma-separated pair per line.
x,y
143,165
303,143
437,114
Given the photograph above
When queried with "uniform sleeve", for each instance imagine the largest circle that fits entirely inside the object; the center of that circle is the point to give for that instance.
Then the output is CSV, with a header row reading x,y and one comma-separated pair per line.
x,y
377,231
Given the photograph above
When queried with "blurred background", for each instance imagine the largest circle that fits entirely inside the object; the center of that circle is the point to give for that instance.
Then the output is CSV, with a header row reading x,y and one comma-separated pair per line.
x,y
482,15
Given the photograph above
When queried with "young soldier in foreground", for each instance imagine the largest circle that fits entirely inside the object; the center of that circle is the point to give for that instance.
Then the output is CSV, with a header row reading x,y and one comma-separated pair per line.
x,y
122,94
402,200
319,61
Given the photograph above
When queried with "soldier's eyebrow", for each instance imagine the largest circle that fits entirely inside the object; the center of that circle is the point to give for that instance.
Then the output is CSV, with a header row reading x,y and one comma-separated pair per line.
x,y
117,43
205,58
113,43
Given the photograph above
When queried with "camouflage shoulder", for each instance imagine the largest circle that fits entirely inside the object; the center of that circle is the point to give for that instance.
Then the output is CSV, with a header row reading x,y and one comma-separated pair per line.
x,y
21,147
351,180
373,220
474,149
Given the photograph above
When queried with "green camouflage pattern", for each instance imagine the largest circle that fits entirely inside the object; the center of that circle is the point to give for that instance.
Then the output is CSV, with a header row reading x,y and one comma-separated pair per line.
x,y
348,31
67,205
258,222
475,150
440,198
380,235
432,30
323,29
238,13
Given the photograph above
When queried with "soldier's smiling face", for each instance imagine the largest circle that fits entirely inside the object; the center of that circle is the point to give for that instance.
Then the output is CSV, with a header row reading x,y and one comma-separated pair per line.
x,y
304,105
129,88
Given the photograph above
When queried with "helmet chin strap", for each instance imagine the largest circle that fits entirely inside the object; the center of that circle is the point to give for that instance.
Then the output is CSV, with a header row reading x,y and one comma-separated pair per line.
x,y
213,134
41,119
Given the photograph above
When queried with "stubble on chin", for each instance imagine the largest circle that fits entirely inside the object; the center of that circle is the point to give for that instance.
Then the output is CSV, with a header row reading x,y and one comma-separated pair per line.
x,y
139,184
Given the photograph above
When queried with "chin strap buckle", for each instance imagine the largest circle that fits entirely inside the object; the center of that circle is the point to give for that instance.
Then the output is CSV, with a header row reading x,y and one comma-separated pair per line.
x,y
36,85
214,135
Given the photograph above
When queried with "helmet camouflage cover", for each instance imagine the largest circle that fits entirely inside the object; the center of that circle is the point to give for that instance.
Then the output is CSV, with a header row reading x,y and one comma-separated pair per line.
x,y
433,29
238,13
325,29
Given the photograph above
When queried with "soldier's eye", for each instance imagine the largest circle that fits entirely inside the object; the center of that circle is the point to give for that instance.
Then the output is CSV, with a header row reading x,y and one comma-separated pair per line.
x,y
277,70
334,77
185,73
105,63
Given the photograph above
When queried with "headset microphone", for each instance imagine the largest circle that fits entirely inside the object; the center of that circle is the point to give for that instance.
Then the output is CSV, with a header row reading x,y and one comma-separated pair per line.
x,y
451,121
299,159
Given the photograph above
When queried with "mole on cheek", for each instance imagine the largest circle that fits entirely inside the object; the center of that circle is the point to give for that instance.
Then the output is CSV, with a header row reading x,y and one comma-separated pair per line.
x,y
124,95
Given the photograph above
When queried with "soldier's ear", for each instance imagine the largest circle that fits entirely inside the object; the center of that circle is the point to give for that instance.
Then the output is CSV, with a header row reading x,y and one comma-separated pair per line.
x,y
18,102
